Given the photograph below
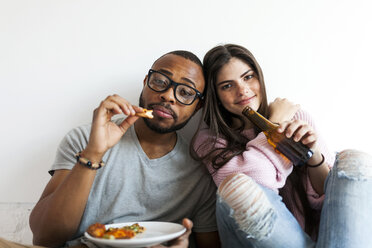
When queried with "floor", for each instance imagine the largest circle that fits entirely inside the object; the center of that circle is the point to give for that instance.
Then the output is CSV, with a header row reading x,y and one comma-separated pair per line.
x,y
14,222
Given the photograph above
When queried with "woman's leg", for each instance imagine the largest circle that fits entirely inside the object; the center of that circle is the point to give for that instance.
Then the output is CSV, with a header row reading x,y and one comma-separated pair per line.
x,y
249,215
347,209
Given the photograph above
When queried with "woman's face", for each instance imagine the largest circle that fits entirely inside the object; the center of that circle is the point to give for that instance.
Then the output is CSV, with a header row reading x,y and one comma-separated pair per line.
x,y
238,86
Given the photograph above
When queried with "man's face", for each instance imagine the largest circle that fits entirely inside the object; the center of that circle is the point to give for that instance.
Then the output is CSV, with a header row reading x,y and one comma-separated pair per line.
x,y
169,114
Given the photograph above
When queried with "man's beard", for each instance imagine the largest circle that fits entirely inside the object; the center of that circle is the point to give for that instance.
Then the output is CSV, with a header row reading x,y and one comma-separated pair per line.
x,y
153,125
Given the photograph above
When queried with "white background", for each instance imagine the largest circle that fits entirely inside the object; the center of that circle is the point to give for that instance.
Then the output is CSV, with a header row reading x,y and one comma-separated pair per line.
x,y
59,59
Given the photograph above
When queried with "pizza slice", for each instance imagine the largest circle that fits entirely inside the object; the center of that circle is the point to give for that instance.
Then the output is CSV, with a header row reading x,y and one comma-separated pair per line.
x,y
146,114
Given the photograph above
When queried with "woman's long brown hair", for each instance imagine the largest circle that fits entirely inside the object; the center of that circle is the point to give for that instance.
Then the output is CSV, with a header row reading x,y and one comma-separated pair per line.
x,y
219,121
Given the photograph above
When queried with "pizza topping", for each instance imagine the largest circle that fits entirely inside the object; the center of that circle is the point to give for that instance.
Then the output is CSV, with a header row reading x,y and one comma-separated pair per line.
x,y
96,230
99,230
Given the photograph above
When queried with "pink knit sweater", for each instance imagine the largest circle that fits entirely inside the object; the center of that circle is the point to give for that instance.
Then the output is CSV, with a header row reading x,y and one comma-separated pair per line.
x,y
264,165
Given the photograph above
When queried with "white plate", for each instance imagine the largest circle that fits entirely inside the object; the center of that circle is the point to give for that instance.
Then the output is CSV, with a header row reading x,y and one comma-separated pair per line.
x,y
155,233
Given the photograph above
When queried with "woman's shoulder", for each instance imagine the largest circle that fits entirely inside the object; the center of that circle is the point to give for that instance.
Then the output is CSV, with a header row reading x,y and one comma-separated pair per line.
x,y
206,139
205,134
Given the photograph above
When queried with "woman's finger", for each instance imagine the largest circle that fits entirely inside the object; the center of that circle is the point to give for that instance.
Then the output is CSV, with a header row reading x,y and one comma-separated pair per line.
x,y
283,126
301,132
310,140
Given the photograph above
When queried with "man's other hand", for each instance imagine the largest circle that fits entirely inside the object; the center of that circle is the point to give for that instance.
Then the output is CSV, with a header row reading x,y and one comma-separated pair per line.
x,y
183,240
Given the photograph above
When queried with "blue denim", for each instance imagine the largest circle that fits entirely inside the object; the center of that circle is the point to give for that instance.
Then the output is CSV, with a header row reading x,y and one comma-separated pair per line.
x,y
345,219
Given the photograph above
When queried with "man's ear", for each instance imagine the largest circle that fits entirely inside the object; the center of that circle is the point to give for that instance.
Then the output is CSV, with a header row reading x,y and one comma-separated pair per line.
x,y
144,81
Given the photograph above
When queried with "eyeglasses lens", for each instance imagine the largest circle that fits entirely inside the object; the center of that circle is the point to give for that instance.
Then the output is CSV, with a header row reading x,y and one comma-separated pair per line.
x,y
160,83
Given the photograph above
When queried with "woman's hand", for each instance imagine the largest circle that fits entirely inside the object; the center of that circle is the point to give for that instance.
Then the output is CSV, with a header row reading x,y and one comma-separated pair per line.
x,y
300,131
183,240
281,109
105,133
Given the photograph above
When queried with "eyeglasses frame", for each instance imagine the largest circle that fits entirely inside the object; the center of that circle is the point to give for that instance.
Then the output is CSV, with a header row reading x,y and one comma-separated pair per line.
x,y
175,84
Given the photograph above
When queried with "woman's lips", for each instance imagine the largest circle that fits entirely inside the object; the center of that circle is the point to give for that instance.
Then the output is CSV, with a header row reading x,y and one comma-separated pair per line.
x,y
246,101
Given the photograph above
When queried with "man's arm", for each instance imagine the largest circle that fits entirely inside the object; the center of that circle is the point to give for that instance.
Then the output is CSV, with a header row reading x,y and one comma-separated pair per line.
x,y
56,217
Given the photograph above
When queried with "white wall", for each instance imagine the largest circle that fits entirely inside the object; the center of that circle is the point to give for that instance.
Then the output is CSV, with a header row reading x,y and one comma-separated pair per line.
x,y
59,59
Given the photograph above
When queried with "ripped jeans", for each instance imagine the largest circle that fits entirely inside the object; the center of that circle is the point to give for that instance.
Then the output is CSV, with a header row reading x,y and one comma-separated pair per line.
x,y
249,215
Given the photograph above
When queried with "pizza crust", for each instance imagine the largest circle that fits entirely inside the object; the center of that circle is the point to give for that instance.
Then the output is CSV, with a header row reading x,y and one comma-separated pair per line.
x,y
146,114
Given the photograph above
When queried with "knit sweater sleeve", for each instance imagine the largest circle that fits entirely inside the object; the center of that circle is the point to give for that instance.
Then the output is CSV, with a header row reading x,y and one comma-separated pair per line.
x,y
315,200
259,161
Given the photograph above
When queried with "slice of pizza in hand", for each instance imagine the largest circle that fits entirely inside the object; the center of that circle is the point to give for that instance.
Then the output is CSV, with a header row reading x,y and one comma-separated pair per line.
x,y
146,114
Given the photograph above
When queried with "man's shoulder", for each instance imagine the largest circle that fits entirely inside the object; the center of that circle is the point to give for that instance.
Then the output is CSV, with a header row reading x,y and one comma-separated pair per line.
x,y
183,147
78,133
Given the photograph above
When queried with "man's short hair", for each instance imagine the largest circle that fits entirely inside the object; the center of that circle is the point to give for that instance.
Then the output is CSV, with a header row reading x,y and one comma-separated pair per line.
x,y
184,54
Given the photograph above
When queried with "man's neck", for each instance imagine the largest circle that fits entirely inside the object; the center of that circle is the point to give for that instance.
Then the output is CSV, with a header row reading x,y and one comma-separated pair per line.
x,y
154,144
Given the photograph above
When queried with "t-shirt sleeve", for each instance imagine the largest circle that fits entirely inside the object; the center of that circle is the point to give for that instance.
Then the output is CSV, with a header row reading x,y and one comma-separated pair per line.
x,y
205,213
74,142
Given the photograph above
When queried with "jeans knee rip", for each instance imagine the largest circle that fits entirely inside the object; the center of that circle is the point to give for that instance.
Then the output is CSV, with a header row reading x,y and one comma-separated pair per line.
x,y
249,206
354,165
258,225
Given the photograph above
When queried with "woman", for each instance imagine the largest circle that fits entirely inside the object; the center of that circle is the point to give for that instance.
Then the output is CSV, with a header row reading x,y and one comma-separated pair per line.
x,y
249,173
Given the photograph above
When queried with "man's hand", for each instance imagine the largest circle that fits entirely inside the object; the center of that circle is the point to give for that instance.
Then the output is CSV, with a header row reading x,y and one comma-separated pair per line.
x,y
105,133
281,109
183,240
58,213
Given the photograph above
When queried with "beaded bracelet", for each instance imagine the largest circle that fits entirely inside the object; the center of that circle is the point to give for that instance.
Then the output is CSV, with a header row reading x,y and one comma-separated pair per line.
x,y
317,165
87,163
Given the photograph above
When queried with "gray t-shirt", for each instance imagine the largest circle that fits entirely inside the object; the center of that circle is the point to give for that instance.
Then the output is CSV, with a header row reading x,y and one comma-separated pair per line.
x,y
132,187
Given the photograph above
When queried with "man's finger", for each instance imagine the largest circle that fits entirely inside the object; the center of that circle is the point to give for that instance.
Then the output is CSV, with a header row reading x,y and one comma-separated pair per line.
x,y
125,125
187,223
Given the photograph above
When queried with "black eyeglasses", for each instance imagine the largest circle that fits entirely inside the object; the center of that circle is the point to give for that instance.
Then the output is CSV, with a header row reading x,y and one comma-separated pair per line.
x,y
184,94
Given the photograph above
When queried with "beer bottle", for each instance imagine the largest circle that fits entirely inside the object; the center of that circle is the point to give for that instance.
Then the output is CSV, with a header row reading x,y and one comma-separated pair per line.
x,y
296,152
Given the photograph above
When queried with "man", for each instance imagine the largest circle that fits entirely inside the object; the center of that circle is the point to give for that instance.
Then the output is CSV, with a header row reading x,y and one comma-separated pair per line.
x,y
148,173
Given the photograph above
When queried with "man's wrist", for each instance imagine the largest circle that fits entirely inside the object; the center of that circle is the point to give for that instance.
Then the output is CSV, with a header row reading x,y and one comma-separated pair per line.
x,y
92,156
87,161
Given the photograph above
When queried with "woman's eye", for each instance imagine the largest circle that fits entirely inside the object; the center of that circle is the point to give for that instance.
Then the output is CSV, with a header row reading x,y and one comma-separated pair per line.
x,y
247,77
226,86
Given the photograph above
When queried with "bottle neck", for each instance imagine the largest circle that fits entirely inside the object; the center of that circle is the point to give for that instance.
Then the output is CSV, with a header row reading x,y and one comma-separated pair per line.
x,y
257,119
